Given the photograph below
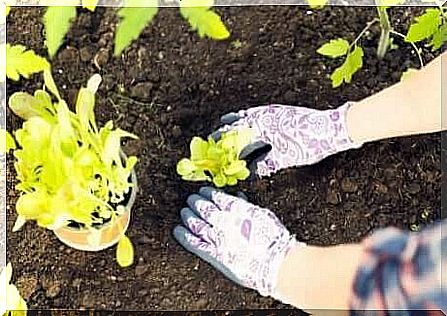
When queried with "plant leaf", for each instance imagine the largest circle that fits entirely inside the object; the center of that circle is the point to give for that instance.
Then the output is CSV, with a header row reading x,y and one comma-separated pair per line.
x,y
57,22
8,9
20,221
315,4
90,4
26,106
353,62
201,18
22,62
388,3
124,252
439,38
425,26
133,19
7,141
50,84
198,148
335,48
407,74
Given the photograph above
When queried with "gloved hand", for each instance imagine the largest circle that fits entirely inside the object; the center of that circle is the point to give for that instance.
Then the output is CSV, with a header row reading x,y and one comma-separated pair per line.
x,y
245,242
289,136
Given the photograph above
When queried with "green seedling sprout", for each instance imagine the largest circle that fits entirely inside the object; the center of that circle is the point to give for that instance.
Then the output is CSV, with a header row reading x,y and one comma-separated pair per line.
x,y
217,161
69,170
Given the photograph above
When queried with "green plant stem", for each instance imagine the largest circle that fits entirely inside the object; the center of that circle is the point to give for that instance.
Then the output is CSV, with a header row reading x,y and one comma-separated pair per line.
x,y
386,29
421,61
367,27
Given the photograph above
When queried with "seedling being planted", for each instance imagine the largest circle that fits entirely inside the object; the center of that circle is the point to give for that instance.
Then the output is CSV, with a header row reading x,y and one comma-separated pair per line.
x,y
73,177
217,161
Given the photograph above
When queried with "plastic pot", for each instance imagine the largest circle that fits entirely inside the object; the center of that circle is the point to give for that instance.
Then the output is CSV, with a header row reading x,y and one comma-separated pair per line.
x,y
110,233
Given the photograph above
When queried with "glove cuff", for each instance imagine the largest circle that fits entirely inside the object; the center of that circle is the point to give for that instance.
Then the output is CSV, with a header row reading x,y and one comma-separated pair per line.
x,y
279,251
341,140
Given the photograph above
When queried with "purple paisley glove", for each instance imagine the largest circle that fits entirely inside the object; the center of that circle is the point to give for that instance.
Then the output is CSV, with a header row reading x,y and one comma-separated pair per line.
x,y
295,136
244,241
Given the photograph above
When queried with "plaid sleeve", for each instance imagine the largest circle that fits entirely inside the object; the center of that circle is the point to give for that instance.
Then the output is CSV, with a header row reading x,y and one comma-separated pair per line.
x,y
402,271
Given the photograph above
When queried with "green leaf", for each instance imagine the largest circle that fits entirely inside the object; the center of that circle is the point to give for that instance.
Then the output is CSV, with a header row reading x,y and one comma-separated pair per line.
x,y
8,9
439,38
22,62
133,19
201,18
407,74
26,106
7,141
90,4
185,167
353,62
198,148
388,3
220,180
335,48
124,252
57,22
50,84
425,26
20,221
315,4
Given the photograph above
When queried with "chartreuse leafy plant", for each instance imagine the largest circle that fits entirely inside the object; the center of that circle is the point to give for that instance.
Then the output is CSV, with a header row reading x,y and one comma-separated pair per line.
x,y
57,21
12,304
69,170
317,4
217,161
429,26
23,62
137,14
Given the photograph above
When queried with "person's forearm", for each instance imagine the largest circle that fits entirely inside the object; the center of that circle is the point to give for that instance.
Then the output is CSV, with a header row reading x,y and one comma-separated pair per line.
x,y
410,107
319,277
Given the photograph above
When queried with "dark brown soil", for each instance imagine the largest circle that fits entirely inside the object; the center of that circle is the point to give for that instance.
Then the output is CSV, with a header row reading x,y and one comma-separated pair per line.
x,y
169,86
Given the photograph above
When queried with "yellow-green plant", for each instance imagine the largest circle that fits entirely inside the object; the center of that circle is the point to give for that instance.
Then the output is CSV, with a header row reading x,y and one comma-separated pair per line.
x,y
217,161
57,21
69,171
23,62
12,304
137,14
429,26
134,16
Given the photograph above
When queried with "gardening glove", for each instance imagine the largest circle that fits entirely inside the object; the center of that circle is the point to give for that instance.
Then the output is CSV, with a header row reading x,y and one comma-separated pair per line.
x,y
245,242
288,136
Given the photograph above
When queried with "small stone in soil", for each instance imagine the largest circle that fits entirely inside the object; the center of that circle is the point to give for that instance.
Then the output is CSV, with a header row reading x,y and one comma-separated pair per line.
x,y
332,197
85,54
142,90
27,285
141,269
414,188
348,185
53,289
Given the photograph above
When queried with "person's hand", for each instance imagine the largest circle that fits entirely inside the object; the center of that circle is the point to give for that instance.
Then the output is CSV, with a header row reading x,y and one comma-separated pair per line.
x,y
288,136
245,242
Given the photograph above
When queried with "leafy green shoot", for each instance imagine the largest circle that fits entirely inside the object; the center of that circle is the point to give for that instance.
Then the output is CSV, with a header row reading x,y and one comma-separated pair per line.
x,y
217,161
68,169
317,4
7,141
90,4
134,17
201,18
429,26
352,63
57,21
22,62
